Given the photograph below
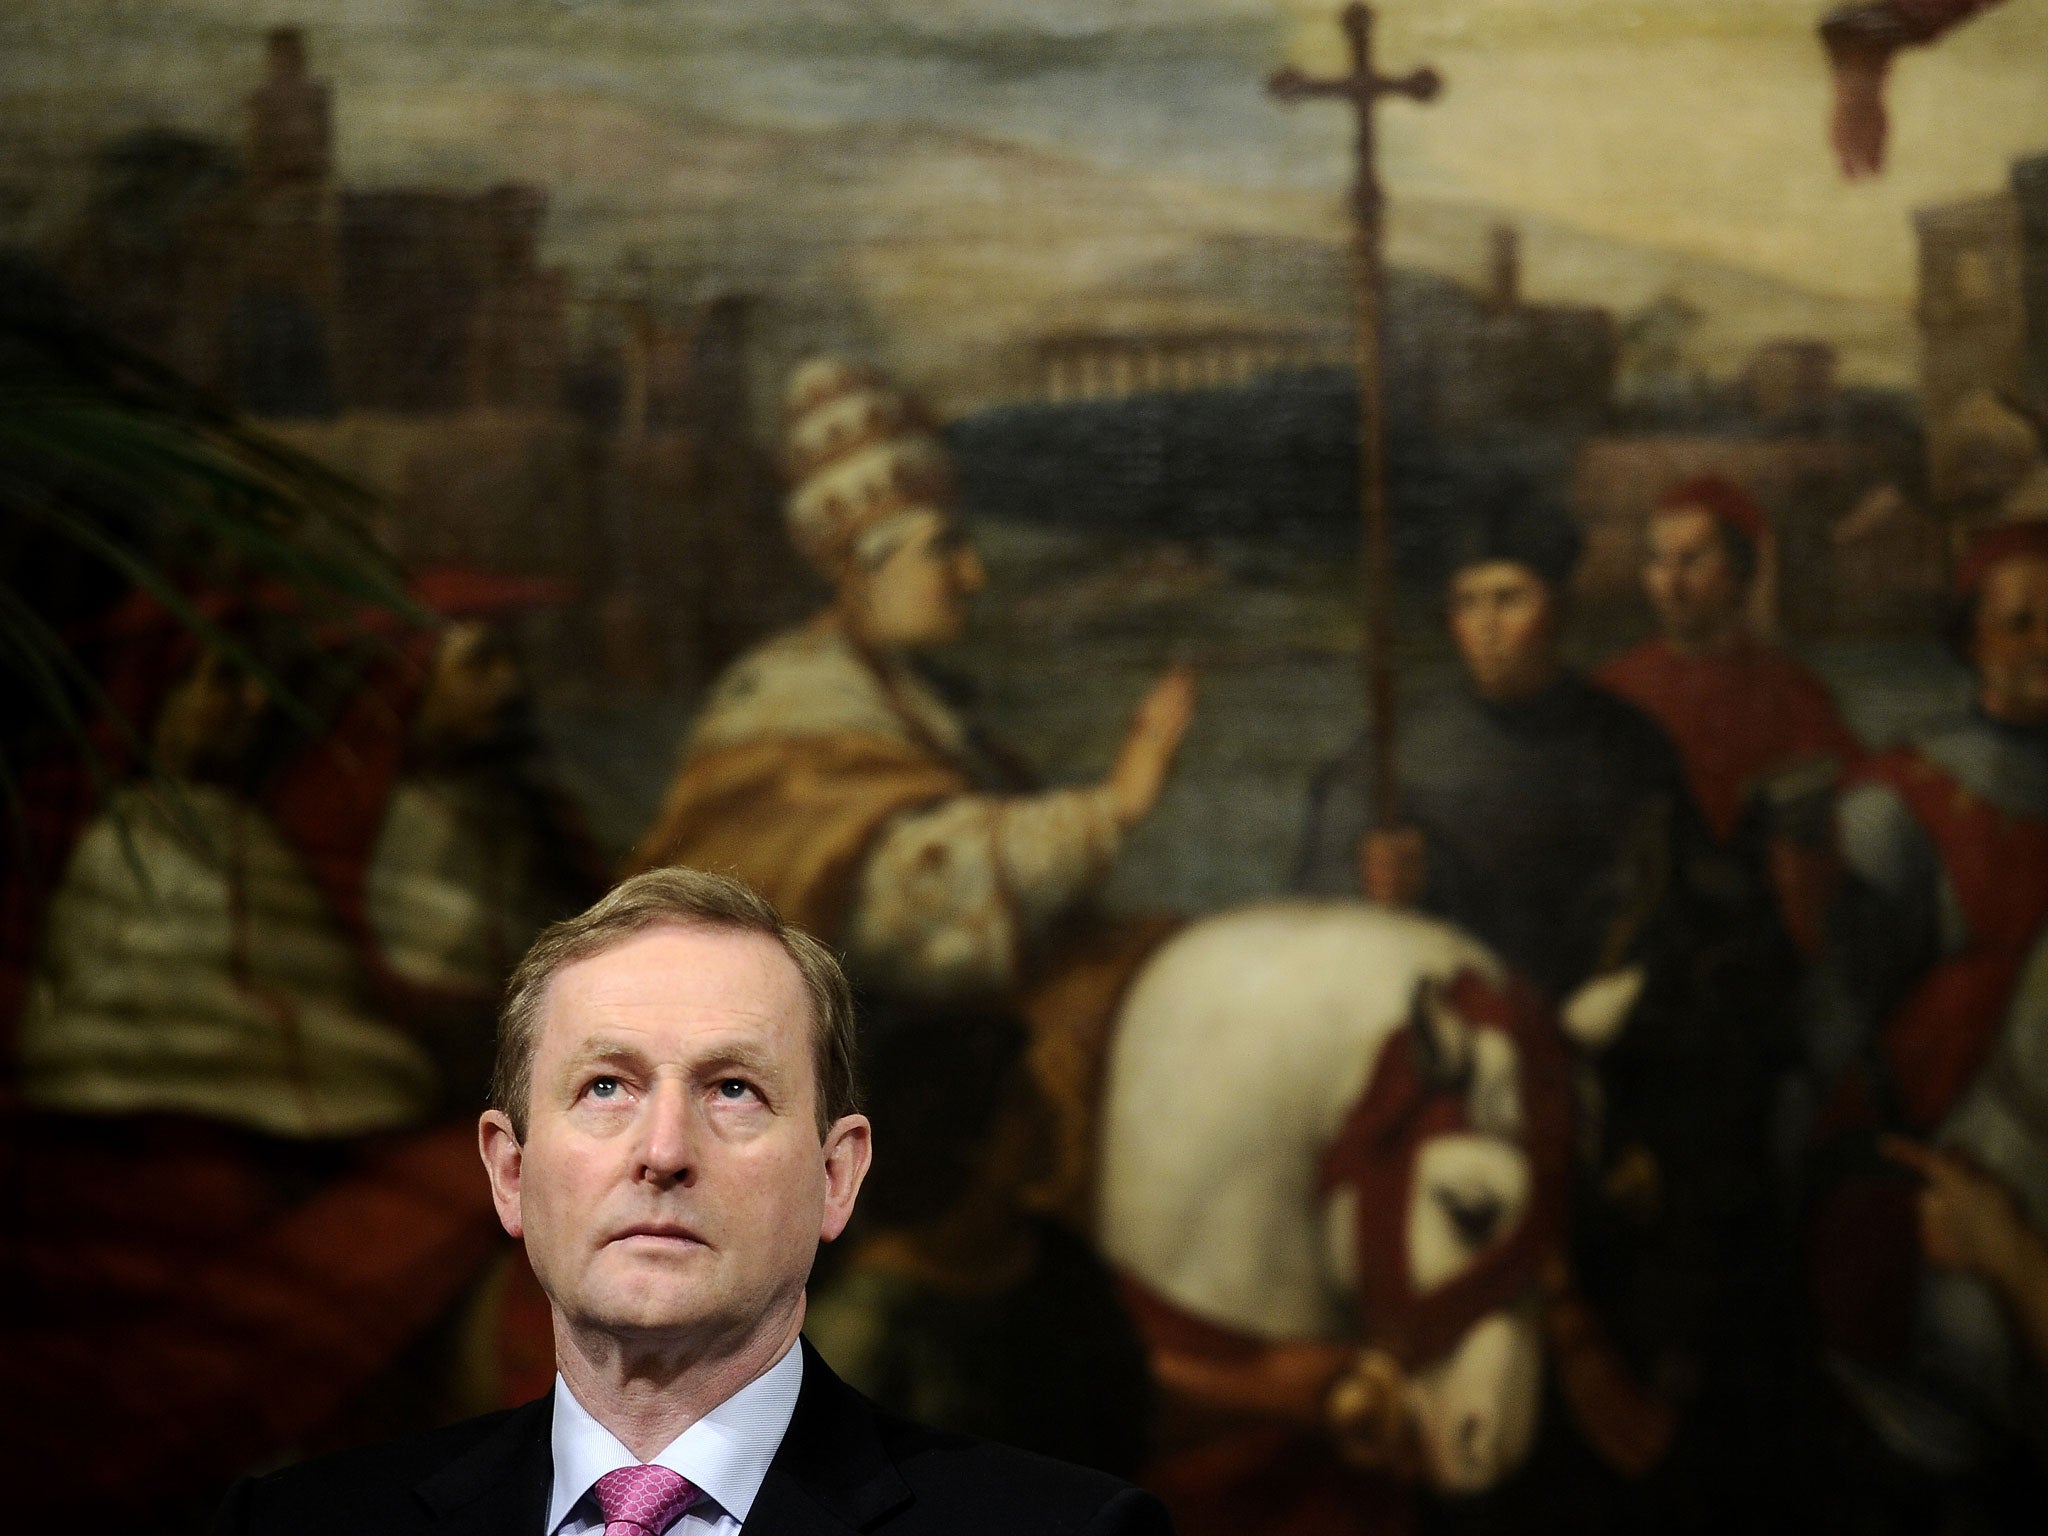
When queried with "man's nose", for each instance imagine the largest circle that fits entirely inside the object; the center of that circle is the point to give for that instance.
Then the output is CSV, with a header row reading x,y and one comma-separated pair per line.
x,y
668,1136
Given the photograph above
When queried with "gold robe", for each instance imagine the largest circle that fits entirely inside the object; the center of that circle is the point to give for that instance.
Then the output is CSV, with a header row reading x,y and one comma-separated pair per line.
x,y
850,795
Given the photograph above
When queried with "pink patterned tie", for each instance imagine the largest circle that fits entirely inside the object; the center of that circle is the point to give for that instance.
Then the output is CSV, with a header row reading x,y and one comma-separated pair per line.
x,y
642,1501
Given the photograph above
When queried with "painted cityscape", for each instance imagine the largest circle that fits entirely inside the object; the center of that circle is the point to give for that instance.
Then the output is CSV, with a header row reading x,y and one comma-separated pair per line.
x,y
1405,650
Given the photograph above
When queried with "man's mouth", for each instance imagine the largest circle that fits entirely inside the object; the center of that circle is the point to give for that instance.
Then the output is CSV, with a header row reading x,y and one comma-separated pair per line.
x,y
658,1232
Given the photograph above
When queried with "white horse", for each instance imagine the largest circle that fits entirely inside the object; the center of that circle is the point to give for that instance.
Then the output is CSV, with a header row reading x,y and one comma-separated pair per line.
x,y
1245,1055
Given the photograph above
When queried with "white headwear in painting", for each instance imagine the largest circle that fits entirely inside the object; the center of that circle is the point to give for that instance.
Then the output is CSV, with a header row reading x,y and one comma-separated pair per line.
x,y
865,465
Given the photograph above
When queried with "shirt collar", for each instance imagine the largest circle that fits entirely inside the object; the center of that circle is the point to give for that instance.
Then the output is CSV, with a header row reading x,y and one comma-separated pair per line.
x,y
725,1453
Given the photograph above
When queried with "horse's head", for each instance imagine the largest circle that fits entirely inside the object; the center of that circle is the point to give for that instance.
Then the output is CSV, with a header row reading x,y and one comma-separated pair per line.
x,y
1447,1187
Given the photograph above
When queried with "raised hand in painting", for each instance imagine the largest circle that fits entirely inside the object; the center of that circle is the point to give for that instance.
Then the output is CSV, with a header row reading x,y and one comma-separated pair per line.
x,y
1972,1222
1150,745
1969,1221
1393,866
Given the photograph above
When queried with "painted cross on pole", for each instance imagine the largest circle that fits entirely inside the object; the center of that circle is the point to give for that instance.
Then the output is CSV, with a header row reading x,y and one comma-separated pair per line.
x,y
1363,87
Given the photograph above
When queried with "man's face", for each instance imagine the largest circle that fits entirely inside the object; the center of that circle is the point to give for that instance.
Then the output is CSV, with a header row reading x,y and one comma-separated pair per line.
x,y
2011,641
673,1188
475,684
1504,619
209,720
1689,576
917,597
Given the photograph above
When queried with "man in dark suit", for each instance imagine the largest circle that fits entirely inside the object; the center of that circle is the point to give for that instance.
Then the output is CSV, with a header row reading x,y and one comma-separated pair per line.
x,y
673,1130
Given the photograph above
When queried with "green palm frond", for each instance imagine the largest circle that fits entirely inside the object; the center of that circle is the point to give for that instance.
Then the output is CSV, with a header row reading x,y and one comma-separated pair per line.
x,y
113,465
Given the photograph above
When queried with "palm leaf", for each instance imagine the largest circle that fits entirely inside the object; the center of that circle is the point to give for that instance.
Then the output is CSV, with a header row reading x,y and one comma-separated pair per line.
x,y
148,479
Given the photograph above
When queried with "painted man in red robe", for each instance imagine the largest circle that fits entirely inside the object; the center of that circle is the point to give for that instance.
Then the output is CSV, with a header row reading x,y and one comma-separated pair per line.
x,y
245,1214
1757,731
232,1204
429,819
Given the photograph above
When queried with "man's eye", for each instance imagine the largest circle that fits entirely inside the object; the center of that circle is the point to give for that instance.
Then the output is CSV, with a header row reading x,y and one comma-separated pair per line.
x,y
604,1087
734,1088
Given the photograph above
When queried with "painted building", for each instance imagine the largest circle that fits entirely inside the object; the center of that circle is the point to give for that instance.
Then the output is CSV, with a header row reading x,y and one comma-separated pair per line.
x,y
1983,316
412,337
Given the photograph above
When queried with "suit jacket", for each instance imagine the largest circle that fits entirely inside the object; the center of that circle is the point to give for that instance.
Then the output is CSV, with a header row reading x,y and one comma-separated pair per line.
x,y
843,1466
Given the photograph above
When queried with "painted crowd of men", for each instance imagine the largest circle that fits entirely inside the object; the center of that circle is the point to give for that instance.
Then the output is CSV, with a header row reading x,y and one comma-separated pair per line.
x,y
251,993
1843,967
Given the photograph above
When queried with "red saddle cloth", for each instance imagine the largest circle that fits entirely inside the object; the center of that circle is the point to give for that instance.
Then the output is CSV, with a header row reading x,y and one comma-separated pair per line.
x,y
1225,1474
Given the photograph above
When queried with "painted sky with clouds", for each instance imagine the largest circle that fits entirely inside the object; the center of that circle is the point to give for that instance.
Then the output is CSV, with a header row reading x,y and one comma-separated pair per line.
x,y
1689,125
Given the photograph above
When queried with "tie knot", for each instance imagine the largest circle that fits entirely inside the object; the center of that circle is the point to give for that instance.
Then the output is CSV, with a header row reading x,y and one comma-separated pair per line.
x,y
644,1499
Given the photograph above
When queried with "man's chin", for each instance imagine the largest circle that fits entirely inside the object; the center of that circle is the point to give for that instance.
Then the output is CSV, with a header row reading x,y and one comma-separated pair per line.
x,y
677,1313
1690,630
2031,712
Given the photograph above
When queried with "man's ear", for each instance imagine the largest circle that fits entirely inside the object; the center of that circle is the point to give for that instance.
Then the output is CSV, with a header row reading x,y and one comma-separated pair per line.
x,y
849,1146
504,1161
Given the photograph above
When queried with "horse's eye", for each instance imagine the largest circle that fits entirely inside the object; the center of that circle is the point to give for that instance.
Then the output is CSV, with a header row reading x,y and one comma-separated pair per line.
x,y
1474,1212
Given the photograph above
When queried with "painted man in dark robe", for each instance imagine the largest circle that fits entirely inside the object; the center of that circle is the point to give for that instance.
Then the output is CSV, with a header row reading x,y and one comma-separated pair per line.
x,y
1551,819
1536,810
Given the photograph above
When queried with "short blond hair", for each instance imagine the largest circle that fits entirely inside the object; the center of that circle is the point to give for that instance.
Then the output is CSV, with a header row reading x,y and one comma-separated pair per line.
x,y
689,898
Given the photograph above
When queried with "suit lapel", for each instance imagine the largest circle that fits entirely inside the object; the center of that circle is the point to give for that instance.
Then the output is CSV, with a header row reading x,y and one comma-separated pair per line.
x,y
831,1473
499,1486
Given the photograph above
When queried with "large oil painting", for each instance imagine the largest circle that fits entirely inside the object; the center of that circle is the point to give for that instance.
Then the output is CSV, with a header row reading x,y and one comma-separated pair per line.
x,y
1405,649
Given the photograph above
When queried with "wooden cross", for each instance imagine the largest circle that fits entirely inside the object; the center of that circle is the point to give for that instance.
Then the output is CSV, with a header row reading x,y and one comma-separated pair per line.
x,y
1363,87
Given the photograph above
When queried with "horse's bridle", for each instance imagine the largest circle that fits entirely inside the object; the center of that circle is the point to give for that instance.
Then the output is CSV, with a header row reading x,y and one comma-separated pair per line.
x,y
1405,1106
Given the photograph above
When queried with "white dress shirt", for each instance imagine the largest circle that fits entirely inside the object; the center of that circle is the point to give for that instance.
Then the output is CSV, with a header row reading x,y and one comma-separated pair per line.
x,y
725,1454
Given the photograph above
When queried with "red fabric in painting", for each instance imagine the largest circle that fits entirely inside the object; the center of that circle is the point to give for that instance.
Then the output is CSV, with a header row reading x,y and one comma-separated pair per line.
x,y
136,657
1997,865
331,800
1276,1482
1929,19
1861,28
1862,1253
1224,1475
524,1342
185,1300
2026,540
1863,1239
1730,505
1735,717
